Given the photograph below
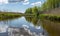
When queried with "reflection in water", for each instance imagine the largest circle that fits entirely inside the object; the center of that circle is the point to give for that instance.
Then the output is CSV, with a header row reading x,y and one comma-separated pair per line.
x,y
25,26
37,24
53,28
34,20
29,26
3,28
22,31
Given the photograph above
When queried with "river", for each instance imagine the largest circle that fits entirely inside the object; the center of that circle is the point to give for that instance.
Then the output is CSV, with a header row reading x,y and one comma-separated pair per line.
x,y
28,26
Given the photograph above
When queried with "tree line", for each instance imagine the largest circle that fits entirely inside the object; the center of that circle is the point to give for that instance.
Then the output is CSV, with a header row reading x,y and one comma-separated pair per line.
x,y
47,5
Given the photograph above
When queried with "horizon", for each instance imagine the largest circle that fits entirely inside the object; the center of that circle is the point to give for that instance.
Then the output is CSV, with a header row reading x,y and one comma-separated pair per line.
x,y
18,5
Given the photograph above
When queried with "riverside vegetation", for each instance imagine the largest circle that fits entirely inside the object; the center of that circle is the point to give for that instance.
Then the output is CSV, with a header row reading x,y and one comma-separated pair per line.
x,y
50,17
44,8
8,15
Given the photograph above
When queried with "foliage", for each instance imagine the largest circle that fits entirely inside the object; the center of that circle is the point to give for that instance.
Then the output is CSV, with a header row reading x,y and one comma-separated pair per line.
x,y
35,10
28,11
32,10
7,15
50,4
50,17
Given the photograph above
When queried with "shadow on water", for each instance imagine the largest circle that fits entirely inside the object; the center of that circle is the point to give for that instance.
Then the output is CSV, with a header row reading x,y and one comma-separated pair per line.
x,y
53,28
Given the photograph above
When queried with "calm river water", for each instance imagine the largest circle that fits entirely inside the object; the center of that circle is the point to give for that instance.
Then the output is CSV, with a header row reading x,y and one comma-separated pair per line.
x,y
27,26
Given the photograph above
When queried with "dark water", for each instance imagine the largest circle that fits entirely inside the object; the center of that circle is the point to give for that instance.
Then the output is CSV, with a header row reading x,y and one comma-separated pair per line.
x,y
52,27
24,26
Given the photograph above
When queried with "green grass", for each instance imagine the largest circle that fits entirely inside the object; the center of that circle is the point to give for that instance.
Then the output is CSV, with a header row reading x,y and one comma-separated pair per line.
x,y
4,16
49,17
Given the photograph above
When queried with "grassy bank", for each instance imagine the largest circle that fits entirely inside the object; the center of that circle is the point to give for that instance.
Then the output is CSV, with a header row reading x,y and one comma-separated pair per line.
x,y
49,17
4,16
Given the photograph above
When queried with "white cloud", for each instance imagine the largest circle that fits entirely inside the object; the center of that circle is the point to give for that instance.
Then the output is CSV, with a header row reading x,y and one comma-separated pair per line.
x,y
3,1
26,2
13,1
36,3
10,1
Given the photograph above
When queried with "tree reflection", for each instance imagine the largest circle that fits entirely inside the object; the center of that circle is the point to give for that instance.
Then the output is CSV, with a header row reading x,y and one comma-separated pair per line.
x,y
53,28
34,20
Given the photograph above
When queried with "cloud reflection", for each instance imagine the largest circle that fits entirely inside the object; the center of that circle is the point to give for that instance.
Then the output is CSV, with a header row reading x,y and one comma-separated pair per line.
x,y
25,26
38,27
3,28
22,32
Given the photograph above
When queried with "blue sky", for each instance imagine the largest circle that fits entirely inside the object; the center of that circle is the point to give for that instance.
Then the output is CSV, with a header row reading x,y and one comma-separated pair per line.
x,y
18,5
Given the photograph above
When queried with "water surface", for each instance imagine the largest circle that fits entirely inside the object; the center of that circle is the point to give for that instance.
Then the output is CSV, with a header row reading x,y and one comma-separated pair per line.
x,y
25,25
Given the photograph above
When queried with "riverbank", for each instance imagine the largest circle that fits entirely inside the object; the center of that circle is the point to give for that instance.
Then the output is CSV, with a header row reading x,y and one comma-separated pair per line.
x,y
8,15
50,17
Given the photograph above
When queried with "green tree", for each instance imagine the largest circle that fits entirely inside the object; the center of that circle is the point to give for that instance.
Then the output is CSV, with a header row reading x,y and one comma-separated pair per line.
x,y
44,7
35,10
28,11
50,4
